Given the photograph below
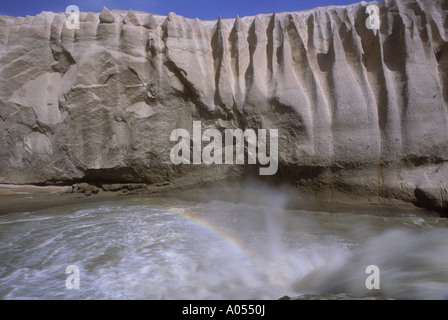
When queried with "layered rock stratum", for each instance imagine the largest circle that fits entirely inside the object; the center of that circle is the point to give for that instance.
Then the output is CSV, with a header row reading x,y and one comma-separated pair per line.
x,y
359,111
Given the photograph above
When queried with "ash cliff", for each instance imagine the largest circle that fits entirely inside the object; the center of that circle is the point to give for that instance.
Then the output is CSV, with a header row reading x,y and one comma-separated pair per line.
x,y
358,111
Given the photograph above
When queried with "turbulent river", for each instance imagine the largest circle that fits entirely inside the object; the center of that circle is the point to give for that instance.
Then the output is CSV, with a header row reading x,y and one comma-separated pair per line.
x,y
168,248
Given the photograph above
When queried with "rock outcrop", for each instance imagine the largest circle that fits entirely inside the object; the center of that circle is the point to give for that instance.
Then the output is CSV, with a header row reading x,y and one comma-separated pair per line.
x,y
358,111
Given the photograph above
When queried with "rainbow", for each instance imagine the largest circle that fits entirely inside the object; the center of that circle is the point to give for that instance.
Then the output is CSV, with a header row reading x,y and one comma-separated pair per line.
x,y
216,230
232,241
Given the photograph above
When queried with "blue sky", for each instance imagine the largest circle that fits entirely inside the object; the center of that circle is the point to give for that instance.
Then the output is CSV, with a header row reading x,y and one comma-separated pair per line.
x,y
202,9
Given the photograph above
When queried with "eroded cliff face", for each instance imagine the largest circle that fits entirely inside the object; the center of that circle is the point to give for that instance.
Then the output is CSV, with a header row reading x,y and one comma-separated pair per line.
x,y
358,111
